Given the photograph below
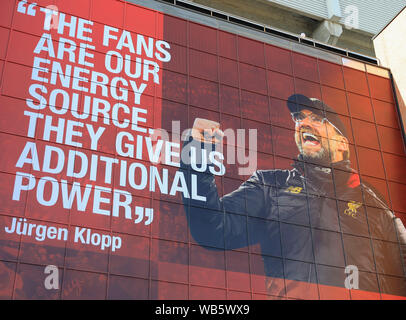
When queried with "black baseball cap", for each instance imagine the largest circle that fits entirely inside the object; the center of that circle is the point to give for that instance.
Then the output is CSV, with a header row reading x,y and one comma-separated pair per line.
x,y
299,102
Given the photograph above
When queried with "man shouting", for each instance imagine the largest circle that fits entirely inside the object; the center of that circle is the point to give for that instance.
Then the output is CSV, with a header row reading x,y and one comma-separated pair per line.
x,y
312,222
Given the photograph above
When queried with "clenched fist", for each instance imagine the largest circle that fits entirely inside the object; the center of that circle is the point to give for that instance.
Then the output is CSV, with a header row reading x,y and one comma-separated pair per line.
x,y
207,131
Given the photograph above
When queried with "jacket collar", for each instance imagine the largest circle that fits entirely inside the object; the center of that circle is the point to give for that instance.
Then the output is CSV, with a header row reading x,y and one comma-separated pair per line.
x,y
322,173
299,164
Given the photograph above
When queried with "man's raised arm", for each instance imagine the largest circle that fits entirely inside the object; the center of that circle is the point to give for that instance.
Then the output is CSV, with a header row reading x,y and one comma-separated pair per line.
x,y
214,221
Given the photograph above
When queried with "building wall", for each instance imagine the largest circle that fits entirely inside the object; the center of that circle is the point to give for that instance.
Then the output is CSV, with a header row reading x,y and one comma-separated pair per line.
x,y
390,52
219,75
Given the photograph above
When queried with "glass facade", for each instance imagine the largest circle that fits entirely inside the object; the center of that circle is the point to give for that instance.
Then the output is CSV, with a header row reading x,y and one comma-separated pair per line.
x,y
84,187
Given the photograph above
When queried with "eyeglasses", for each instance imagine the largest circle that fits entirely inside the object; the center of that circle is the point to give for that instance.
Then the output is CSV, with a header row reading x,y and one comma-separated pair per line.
x,y
317,120
300,117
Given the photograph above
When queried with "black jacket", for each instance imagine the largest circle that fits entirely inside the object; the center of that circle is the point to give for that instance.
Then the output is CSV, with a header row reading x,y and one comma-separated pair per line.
x,y
310,222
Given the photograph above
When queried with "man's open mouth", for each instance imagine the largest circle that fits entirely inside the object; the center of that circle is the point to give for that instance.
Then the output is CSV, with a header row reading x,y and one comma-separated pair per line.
x,y
310,138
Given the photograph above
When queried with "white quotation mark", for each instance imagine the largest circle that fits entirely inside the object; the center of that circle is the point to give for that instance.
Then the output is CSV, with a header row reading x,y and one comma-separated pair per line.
x,y
22,8
149,213
51,281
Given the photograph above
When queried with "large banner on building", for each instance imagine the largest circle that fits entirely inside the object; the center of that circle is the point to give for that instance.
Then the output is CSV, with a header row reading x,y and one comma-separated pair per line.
x,y
145,156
